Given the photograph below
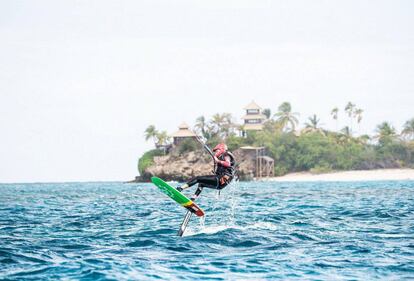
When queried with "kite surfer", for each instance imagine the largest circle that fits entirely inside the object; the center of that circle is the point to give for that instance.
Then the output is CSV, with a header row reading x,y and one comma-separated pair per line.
x,y
223,172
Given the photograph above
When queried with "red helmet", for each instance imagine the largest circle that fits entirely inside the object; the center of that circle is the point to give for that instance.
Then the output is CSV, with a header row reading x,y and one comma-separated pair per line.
x,y
220,149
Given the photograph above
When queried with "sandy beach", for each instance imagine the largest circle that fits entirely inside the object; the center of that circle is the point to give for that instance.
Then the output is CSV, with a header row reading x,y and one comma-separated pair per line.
x,y
365,175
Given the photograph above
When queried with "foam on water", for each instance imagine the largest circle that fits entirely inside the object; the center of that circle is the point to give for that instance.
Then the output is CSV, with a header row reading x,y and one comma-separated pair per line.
x,y
252,231
212,229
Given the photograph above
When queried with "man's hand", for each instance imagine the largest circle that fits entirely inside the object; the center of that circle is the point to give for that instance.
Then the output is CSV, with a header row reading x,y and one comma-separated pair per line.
x,y
216,160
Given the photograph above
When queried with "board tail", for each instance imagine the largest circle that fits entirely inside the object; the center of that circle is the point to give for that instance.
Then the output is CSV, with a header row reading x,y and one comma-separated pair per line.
x,y
193,208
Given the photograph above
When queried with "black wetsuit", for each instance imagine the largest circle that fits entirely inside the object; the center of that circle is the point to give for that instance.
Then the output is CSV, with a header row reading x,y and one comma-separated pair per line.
x,y
221,178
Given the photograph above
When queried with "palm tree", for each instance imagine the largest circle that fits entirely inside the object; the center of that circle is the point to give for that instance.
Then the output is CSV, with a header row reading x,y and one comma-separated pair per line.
x,y
267,112
345,135
217,121
286,118
385,132
272,126
334,113
408,130
151,133
313,125
364,139
162,138
349,108
358,115
228,126
221,125
346,131
201,126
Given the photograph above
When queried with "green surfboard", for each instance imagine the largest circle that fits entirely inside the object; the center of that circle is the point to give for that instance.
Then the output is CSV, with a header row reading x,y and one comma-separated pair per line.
x,y
177,196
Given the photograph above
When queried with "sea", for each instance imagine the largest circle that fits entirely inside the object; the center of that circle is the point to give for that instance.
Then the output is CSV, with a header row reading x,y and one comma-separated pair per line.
x,y
251,231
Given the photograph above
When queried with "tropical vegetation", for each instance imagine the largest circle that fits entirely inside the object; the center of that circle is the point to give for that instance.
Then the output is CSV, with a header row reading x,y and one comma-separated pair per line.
x,y
148,159
159,138
311,148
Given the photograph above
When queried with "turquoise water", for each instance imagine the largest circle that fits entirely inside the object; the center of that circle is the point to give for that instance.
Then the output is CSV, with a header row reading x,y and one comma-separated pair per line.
x,y
252,231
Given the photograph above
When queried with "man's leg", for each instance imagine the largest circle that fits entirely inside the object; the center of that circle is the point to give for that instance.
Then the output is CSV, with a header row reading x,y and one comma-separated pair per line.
x,y
197,193
210,181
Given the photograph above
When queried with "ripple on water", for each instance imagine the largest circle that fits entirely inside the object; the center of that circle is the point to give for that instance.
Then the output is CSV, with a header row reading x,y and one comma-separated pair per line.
x,y
140,243
253,231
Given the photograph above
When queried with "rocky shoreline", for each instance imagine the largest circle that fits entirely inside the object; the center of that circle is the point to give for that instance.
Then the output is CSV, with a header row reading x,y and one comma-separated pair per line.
x,y
357,175
181,167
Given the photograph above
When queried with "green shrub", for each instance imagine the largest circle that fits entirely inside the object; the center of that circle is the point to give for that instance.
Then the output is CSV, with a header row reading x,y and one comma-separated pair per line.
x,y
280,170
213,141
321,169
187,145
234,142
148,159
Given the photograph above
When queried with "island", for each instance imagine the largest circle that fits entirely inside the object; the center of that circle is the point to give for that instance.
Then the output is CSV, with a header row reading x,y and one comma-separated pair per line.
x,y
274,146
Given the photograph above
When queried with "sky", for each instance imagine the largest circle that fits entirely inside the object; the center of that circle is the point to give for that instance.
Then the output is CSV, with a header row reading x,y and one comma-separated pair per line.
x,y
81,80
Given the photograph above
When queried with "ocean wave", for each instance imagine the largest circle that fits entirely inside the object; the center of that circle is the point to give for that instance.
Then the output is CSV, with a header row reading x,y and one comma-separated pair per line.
x,y
252,231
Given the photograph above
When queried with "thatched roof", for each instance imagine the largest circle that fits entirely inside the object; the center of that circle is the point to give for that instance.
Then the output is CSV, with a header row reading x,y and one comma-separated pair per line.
x,y
252,147
252,105
183,132
267,159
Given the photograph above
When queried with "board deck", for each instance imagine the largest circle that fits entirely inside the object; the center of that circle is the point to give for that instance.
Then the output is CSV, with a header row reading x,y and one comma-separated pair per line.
x,y
177,196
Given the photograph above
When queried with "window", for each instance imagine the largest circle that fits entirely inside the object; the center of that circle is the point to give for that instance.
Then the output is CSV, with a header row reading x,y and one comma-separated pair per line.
x,y
253,111
253,121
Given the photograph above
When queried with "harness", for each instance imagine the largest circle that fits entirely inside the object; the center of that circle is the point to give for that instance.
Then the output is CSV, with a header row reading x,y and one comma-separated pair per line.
x,y
225,174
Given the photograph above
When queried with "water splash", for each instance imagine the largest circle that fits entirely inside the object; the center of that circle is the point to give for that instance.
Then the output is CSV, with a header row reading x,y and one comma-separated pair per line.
x,y
253,231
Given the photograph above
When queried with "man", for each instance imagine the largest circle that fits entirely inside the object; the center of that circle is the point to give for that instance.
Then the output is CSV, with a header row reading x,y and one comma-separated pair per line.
x,y
224,169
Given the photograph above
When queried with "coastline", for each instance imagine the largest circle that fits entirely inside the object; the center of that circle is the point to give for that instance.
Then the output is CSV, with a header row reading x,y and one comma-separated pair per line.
x,y
358,175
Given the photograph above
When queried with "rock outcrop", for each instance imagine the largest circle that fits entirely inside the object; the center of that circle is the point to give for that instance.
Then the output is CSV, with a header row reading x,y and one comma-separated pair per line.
x,y
182,167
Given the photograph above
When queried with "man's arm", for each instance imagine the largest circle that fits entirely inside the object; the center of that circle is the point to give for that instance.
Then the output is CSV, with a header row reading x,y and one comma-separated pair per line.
x,y
225,163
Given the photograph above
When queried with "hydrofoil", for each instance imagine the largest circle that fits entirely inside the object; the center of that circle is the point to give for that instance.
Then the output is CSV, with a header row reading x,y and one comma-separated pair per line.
x,y
181,199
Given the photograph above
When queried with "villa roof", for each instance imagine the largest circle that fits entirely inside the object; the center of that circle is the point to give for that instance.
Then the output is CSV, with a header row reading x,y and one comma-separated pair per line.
x,y
267,159
252,105
252,147
183,126
254,116
183,132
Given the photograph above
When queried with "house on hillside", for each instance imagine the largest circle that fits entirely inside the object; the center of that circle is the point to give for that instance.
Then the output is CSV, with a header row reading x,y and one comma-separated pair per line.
x,y
183,133
254,119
